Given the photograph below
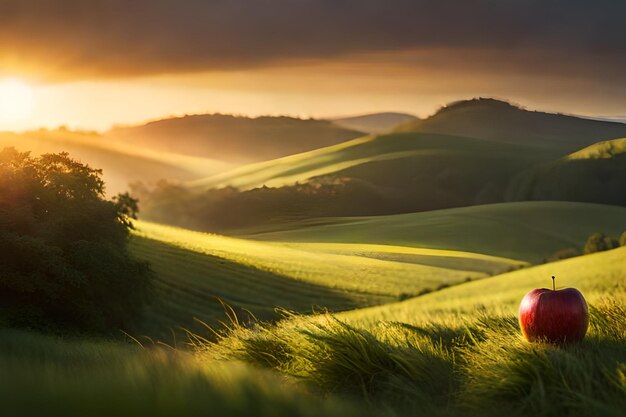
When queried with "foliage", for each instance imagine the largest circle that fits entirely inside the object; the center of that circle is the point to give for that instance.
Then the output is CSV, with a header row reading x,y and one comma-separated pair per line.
x,y
563,254
599,242
63,256
622,239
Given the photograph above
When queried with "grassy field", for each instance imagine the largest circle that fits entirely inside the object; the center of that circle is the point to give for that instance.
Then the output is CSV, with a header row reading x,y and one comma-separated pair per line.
x,y
305,268
195,270
53,376
458,351
528,231
190,284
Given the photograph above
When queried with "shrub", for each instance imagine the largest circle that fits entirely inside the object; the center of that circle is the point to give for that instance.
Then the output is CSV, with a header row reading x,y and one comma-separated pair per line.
x,y
599,242
563,254
622,239
63,247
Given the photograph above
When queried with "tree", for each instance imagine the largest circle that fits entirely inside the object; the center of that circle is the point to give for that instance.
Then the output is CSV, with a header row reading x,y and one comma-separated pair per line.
x,y
599,242
64,261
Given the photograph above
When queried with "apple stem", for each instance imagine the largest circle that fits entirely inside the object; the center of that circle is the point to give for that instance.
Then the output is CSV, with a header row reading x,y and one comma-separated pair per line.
x,y
553,284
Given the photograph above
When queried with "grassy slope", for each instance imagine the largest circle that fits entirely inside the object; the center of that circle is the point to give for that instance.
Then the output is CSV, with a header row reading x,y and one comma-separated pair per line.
x,y
529,231
194,269
383,156
425,359
453,352
47,375
459,351
190,283
120,164
596,174
596,276
601,150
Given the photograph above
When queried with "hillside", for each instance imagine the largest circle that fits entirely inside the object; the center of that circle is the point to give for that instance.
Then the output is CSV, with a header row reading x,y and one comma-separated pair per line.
x,y
502,121
597,276
458,351
375,122
399,159
596,174
601,150
343,264
528,231
120,164
195,269
232,139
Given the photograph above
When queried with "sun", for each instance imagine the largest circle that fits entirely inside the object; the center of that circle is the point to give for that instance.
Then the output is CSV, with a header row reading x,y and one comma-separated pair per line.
x,y
16,100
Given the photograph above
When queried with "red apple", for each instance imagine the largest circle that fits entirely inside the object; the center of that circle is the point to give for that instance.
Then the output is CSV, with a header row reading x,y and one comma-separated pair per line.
x,y
556,316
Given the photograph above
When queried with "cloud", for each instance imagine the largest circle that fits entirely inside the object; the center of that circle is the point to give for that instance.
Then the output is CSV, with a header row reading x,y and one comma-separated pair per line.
x,y
72,39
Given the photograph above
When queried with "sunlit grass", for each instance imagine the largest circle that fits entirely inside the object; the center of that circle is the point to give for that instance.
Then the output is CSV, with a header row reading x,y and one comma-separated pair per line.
x,y
45,375
526,231
347,272
600,150
596,276
458,351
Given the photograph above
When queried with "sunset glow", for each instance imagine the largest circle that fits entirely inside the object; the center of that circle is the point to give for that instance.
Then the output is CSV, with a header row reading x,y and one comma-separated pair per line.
x,y
16,101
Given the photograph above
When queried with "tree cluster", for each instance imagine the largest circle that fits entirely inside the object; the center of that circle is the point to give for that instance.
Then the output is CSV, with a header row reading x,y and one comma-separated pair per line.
x,y
64,261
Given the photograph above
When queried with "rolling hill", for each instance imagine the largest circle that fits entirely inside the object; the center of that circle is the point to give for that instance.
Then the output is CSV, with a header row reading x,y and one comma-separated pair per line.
x,y
195,269
455,351
596,174
375,122
597,276
528,231
232,139
458,351
400,159
501,121
349,263
120,164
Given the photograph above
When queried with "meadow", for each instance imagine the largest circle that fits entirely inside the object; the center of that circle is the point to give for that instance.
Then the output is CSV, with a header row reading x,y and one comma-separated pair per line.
x,y
457,351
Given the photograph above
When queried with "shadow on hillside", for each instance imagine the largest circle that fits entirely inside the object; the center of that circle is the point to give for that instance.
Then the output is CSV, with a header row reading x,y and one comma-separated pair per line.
x,y
194,288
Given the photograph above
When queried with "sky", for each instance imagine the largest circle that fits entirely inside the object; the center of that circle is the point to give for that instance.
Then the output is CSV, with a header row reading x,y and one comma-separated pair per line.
x,y
93,64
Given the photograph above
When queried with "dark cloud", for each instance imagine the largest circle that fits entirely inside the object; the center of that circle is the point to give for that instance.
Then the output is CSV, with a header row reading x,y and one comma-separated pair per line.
x,y
98,38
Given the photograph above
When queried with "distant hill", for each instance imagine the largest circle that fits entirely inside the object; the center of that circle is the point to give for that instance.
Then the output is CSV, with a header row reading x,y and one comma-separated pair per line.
x,y
495,124
375,122
595,174
498,120
233,139
120,164
398,160
528,231
372,175
521,155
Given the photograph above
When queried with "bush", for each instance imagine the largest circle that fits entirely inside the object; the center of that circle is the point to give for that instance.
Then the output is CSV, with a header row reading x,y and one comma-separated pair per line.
x,y
63,247
599,242
563,254
622,239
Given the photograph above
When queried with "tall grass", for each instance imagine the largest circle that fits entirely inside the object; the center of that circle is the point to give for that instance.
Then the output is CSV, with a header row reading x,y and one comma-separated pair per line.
x,y
49,376
477,365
